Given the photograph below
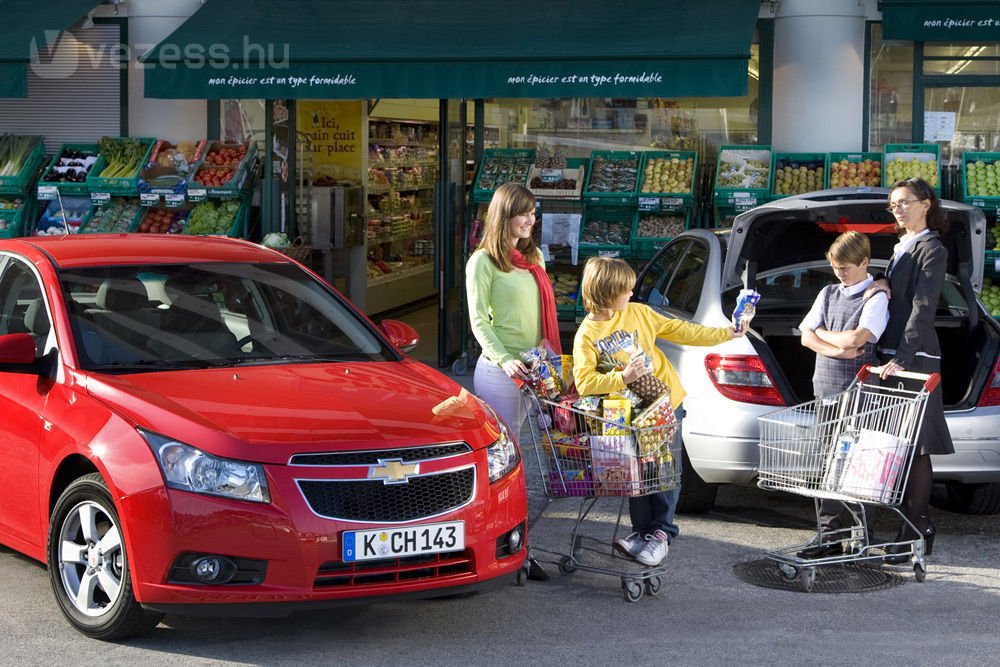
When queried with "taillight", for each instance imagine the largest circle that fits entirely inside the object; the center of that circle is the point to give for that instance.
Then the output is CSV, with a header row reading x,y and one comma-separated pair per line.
x,y
992,394
742,378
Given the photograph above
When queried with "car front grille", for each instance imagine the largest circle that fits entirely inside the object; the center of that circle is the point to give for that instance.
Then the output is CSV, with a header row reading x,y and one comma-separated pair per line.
x,y
372,457
336,574
421,497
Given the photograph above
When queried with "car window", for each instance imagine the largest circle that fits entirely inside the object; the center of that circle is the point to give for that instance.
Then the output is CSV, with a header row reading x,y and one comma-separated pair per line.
x,y
684,290
136,318
656,279
22,307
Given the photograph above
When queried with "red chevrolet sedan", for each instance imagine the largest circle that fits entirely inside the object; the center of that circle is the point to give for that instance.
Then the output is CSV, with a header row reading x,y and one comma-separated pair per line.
x,y
199,425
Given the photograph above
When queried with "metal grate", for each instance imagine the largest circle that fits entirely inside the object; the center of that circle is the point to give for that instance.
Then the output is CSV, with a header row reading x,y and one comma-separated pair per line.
x,y
837,578
423,496
372,457
335,574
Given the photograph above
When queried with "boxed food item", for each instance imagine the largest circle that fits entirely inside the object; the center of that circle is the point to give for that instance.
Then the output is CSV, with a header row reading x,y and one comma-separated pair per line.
x,y
617,416
655,426
746,308
615,466
570,483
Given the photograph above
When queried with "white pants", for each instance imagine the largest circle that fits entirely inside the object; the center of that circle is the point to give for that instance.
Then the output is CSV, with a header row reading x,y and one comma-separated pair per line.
x,y
492,384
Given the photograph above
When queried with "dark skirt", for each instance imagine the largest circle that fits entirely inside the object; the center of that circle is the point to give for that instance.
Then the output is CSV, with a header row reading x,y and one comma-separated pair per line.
x,y
934,436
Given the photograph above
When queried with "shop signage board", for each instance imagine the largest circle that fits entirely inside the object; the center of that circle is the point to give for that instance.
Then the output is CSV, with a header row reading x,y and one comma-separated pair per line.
x,y
937,21
336,138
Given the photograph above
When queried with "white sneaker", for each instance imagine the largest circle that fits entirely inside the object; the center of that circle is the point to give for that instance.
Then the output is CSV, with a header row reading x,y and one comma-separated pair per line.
x,y
630,545
655,550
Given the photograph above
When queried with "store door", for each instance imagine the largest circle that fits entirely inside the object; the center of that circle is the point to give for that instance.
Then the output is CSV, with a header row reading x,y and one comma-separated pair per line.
x,y
961,119
450,212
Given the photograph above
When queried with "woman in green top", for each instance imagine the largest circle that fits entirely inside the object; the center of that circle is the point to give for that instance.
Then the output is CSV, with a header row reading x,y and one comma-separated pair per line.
x,y
511,302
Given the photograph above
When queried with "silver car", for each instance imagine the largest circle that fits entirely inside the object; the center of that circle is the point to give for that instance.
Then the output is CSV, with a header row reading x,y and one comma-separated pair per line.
x,y
779,250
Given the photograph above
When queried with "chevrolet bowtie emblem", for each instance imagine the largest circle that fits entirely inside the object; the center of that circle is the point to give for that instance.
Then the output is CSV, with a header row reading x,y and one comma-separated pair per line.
x,y
393,471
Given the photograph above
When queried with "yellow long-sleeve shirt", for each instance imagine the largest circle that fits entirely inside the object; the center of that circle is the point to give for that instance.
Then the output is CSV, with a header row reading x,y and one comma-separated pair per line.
x,y
644,325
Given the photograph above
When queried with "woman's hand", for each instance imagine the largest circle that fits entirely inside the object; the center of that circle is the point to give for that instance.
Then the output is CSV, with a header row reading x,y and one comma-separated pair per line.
x,y
881,285
636,369
516,370
890,367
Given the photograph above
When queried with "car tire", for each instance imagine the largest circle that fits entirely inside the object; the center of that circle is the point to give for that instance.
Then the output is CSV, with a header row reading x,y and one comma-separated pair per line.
x,y
978,499
697,496
86,551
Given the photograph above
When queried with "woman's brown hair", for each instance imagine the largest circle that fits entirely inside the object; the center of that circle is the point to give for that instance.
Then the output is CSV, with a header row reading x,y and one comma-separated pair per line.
x,y
922,190
510,200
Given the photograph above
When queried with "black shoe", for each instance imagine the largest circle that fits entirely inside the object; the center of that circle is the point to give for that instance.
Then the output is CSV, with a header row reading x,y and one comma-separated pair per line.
x,y
822,551
536,572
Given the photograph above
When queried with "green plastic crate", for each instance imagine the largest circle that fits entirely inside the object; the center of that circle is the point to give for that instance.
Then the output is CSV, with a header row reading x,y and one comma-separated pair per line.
x,y
238,227
742,173
607,230
838,176
897,163
91,224
125,185
64,188
13,221
787,164
613,177
577,169
647,188
723,215
977,170
646,242
566,285
499,166
76,208
23,180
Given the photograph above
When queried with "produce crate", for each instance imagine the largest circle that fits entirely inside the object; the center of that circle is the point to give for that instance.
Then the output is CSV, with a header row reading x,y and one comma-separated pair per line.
x,y
13,221
159,180
653,230
98,221
566,285
162,146
499,166
149,217
61,216
575,173
977,189
237,228
614,177
607,230
124,185
47,188
22,181
907,160
673,162
797,173
742,173
724,214
863,169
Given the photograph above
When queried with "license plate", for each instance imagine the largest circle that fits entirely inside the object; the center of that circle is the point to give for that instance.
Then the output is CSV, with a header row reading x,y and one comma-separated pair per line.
x,y
430,538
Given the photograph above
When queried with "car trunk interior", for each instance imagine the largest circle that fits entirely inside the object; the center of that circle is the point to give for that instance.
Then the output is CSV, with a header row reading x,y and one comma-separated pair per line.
x,y
779,239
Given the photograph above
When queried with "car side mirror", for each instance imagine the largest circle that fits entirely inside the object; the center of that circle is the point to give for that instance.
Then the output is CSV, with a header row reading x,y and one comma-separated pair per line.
x,y
17,348
401,335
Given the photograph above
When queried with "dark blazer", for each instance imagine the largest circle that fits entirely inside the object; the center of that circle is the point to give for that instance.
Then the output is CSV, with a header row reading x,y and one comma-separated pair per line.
x,y
915,287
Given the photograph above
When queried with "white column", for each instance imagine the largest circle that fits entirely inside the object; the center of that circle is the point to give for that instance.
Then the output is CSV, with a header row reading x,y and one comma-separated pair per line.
x,y
819,84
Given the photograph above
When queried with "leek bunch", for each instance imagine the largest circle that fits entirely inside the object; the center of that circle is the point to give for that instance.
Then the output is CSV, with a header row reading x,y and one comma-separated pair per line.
x,y
14,152
124,156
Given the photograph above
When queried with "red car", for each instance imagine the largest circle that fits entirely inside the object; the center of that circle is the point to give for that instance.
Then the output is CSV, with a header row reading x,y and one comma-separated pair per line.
x,y
199,425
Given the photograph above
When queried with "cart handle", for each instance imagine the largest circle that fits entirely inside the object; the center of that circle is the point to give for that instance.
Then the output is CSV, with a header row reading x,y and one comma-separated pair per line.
x,y
931,380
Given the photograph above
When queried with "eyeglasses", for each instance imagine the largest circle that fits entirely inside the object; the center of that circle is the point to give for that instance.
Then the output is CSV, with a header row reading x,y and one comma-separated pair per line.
x,y
902,204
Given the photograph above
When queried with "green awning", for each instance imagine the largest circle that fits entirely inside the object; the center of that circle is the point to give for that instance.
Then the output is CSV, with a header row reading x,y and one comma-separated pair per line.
x,y
357,49
27,29
937,21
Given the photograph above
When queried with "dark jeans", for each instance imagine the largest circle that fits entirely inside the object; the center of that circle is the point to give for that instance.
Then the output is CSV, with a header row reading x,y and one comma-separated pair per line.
x,y
656,511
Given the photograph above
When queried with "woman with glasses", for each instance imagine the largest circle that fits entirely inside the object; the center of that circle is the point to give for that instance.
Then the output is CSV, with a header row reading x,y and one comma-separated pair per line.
x,y
914,277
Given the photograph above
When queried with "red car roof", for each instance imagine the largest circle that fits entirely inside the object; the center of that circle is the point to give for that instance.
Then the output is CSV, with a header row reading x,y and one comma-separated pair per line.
x,y
108,249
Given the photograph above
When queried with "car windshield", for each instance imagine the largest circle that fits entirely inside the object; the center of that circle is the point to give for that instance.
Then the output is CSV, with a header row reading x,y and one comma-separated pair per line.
x,y
133,319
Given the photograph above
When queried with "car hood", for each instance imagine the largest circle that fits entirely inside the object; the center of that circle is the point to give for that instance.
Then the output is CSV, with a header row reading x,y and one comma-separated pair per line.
x,y
800,229
279,410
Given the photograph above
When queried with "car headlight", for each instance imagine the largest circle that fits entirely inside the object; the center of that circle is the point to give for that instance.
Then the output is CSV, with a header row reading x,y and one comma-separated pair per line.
x,y
503,455
189,469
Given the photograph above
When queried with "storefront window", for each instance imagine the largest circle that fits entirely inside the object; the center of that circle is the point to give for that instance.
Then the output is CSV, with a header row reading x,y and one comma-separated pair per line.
x,y
891,107
964,59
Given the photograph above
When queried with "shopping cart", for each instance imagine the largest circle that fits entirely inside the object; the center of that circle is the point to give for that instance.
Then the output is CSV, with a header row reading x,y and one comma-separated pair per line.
x,y
854,447
584,456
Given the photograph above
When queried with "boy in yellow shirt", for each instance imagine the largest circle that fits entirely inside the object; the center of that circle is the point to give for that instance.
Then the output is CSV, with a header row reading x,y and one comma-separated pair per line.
x,y
615,327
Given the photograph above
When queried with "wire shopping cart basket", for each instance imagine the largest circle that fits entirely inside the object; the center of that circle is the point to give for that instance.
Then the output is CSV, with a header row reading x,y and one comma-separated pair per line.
x,y
582,455
854,447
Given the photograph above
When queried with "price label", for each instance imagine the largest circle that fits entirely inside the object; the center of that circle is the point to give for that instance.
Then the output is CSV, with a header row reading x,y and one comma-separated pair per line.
x,y
197,194
99,198
149,199
47,192
671,202
979,203
173,201
649,203
609,253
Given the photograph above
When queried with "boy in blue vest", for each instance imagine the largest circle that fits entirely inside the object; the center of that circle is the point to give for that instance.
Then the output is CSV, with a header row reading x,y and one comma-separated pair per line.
x,y
842,328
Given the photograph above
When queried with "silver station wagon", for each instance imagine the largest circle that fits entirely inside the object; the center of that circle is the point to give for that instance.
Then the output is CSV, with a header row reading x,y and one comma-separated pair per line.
x,y
779,250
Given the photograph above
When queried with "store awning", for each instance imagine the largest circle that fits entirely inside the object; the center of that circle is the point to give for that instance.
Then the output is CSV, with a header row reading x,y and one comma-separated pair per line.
x,y
357,49
29,30
937,21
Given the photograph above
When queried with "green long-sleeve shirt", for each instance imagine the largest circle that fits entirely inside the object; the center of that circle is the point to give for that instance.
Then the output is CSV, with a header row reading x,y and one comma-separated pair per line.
x,y
504,308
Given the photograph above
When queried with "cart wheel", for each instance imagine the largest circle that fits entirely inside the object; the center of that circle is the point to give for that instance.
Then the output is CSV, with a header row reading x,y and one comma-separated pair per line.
x,y
459,366
521,578
788,572
653,586
807,577
919,573
632,589
567,565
